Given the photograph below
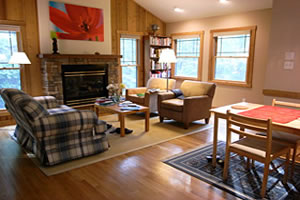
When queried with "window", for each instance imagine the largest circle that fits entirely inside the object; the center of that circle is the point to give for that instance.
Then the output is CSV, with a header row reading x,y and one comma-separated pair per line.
x,y
232,56
129,48
9,73
188,47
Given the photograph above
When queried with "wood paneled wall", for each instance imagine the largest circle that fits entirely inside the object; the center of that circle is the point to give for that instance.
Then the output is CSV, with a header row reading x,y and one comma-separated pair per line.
x,y
126,15
24,14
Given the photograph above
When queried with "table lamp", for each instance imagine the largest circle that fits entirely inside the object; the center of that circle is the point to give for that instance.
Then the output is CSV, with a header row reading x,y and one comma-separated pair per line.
x,y
19,58
167,56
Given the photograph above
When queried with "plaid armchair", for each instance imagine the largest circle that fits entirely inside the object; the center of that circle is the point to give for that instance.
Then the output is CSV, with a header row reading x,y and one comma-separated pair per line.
x,y
55,134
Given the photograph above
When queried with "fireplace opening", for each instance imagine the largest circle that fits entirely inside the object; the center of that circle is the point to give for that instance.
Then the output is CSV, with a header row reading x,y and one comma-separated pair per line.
x,y
83,84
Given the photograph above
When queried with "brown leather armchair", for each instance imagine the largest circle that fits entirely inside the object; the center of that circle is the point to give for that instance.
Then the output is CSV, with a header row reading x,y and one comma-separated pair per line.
x,y
149,98
194,104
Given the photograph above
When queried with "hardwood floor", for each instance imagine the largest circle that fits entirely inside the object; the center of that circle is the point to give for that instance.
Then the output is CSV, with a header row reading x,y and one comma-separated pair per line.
x,y
139,175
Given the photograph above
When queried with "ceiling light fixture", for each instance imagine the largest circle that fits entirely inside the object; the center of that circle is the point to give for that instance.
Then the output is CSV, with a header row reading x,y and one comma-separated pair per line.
x,y
180,10
224,1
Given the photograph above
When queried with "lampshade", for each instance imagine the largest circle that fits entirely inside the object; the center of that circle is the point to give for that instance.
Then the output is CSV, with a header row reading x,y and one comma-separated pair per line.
x,y
167,56
19,58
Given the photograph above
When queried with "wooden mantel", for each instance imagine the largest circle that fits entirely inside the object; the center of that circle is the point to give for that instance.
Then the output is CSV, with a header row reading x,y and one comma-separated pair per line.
x,y
62,56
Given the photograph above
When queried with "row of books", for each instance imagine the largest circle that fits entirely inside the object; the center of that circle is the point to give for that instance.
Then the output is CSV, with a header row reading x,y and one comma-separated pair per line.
x,y
103,101
159,74
158,66
128,105
160,41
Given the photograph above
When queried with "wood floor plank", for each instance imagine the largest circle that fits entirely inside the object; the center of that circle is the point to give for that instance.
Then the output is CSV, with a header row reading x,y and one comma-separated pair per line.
x,y
135,176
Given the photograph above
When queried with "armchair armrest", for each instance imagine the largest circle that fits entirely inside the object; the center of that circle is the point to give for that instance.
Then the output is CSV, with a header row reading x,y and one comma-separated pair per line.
x,y
136,90
64,122
47,102
165,95
197,104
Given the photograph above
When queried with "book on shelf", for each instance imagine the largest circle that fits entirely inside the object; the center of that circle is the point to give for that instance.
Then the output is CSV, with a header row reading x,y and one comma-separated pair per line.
x,y
160,41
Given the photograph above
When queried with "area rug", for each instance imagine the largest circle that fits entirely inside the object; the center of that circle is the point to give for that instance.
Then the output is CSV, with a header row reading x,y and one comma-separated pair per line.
x,y
139,139
242,183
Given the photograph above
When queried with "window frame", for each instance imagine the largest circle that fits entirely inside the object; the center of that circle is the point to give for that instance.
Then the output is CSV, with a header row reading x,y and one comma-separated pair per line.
x,y
250,59
184,35
139,47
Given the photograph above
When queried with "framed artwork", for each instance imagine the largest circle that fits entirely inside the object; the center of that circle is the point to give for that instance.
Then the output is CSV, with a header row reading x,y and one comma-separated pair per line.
x,y
74,22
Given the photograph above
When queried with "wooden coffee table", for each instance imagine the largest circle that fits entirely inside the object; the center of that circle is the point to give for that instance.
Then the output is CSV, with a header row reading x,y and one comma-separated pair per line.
x,y
116,109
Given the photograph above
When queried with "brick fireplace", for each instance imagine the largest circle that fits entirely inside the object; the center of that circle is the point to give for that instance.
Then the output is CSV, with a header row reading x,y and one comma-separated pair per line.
x,y
51,65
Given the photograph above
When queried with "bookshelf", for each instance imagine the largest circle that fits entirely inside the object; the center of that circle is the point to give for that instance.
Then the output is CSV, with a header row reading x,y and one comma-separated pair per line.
x,y
153,46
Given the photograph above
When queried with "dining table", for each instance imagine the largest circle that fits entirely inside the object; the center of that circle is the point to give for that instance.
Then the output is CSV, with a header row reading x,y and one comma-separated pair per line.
x,y
291,127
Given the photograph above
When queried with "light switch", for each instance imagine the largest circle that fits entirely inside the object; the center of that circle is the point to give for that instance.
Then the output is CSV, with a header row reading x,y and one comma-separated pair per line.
x,y
288,65
289,55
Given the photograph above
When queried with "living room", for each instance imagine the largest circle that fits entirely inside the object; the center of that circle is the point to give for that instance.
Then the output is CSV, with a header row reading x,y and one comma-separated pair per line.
x,y
141,174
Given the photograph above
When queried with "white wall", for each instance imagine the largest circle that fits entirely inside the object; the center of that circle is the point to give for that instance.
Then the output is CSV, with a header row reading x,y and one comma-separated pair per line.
x,y
262,19
74,46
285,31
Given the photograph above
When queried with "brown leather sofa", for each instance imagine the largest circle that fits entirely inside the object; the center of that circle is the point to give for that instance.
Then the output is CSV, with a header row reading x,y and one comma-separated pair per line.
x,y
194,104
149,98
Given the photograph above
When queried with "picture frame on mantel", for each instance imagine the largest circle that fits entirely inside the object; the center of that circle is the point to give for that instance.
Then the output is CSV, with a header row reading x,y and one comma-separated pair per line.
x,y
75,22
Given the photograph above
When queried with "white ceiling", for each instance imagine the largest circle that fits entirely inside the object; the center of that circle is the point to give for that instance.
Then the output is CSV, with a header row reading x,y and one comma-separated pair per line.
x,y
194,9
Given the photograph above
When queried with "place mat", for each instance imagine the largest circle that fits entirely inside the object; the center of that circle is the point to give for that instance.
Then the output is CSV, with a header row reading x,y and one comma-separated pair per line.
x,y
277,114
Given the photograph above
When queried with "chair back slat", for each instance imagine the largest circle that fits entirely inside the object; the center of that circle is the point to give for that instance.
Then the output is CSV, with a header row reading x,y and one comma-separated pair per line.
x,y
248,126
250,135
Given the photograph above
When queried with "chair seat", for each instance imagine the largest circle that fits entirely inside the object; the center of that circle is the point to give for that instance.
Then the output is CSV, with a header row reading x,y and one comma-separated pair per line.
x,y
136,99
258,148
173,104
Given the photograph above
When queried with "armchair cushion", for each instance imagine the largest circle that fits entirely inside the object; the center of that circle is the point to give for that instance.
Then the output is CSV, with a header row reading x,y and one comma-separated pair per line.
x,y
138,90
47,101
160,83
195,88
33,108
173,104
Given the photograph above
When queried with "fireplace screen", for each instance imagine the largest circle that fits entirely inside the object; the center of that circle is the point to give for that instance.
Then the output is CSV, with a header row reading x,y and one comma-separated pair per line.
x,y
82,84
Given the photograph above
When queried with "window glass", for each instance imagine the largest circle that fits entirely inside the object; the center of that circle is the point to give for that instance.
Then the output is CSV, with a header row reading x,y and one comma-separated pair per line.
x,y
187,67
187,52
128,51
9,74
188,47
235,45
233,69
129,76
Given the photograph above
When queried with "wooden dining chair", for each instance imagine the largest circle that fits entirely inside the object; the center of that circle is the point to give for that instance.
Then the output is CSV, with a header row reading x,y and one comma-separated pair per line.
x,y
286,138
256,147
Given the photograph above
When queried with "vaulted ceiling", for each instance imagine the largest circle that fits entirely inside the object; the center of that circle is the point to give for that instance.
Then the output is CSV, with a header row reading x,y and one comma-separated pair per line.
x,y
193,9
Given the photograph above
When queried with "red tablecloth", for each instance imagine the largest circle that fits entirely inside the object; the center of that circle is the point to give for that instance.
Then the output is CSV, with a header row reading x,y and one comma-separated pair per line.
x,y
277,114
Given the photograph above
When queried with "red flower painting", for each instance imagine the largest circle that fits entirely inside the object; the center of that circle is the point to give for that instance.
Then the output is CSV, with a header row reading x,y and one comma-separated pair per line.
x,y
76,22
